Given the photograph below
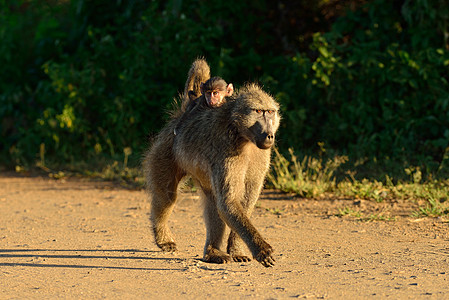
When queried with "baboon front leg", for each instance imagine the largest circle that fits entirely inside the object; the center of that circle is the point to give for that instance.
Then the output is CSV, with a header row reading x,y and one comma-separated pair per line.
x,y
215,232
231,210
236,246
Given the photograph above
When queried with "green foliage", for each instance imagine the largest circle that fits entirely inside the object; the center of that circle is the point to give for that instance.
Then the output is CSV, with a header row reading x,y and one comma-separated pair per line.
x,y
309,178
433,209
80,85
87,84
377,88
364,189
348,212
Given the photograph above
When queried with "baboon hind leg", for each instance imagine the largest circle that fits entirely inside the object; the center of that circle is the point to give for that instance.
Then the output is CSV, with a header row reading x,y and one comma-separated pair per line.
x,y
163,179
215,232
236,248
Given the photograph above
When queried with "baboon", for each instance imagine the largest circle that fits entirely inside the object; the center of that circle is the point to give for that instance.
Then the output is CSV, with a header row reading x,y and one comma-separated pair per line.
x,y
199,82
215,90
213,94
227,152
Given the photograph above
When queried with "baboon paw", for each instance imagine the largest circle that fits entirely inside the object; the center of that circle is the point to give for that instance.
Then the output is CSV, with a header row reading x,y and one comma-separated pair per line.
x,y
217,257
168,247
265,257
241,258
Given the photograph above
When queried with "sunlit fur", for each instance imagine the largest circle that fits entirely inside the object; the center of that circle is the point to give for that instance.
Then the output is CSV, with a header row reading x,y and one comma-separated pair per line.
x,y
227,151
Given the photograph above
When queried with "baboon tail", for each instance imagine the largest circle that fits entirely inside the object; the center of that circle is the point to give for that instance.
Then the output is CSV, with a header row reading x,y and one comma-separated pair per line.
x,y
199,73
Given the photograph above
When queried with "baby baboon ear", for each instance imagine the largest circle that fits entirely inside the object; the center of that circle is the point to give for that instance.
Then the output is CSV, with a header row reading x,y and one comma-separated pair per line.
x,y
229,90
192,95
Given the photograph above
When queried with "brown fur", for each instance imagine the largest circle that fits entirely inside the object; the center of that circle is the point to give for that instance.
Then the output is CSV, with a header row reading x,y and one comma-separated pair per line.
x,y
227,152
198,103
199,73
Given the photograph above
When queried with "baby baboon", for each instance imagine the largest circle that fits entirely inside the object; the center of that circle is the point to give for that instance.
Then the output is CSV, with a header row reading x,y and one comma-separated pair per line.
x,y
200,84
227,152
214,92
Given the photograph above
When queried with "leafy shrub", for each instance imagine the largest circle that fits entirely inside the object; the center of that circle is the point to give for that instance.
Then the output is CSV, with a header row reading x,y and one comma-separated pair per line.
x,y
378,87
84,85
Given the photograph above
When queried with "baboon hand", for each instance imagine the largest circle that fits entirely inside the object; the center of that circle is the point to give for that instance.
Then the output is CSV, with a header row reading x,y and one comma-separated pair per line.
x,y
265,256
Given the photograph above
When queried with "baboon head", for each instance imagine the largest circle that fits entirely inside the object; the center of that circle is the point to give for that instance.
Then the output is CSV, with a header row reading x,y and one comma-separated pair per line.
x,y
215,90
256,115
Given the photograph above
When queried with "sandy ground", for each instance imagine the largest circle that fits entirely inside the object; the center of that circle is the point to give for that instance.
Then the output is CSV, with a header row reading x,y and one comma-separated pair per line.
x,y
84,239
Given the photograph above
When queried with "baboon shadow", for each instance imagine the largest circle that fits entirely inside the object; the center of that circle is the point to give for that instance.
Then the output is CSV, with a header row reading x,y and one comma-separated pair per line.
x,y
103,254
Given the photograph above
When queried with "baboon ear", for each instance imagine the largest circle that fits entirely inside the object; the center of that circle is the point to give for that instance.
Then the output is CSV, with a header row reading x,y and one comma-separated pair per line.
x,y
229,89
192,95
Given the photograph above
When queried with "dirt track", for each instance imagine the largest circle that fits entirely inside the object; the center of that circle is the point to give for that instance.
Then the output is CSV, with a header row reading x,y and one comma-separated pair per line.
x,y
80,239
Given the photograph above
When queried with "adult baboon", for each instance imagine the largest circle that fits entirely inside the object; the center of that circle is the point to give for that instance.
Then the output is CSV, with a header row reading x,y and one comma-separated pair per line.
x,y
227,152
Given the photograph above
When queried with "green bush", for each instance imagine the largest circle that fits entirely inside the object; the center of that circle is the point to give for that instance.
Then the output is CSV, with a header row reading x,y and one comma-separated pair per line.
x,y
93,78
377,88
84,80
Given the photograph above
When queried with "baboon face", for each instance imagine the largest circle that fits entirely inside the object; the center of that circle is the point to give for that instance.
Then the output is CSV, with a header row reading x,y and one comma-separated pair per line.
x,y
259,116
215,90
264,127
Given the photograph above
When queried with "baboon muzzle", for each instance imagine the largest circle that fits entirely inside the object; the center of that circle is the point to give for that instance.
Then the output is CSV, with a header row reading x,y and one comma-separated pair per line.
x,y
265,133
268,134
266,142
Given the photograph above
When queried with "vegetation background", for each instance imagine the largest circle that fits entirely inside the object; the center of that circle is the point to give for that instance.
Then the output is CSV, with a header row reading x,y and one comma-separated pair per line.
x,y
363,84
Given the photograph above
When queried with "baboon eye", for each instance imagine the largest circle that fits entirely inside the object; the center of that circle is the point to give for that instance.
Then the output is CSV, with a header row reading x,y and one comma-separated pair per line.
x,y
270,112
259,111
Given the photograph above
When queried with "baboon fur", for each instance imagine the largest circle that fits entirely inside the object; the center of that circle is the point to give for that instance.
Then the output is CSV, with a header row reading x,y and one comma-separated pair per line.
x,y
198,74
226,151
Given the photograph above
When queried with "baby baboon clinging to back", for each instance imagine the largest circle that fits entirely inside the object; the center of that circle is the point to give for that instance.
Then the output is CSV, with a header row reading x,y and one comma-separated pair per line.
x,y
227,152
214,91
213,94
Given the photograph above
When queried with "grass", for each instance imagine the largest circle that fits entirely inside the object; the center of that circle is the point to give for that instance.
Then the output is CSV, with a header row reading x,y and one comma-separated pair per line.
x,y
349,212
116,170
309,178
434,208
315,178
119,172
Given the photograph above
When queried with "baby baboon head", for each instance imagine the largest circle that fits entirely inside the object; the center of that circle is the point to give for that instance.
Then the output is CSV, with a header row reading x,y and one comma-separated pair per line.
x,y
215,90
257,116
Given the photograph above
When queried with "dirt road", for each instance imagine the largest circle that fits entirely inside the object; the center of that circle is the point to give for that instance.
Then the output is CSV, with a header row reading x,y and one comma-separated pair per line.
x,y
81,239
